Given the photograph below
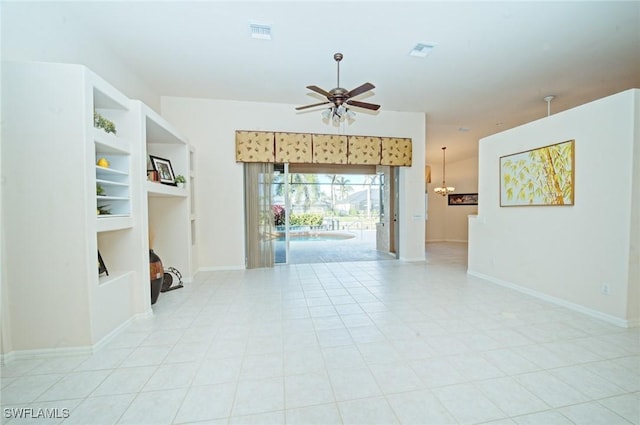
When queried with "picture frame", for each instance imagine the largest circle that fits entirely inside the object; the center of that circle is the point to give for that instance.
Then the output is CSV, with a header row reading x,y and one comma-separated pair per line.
x,y
463,199
541,176
102,268
164,169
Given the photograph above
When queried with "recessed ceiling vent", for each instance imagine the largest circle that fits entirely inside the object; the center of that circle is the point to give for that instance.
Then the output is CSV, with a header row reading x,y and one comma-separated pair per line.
x,y
260,31
422,50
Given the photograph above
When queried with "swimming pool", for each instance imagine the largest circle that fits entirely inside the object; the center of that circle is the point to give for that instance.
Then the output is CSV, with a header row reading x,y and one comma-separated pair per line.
x,y
315,236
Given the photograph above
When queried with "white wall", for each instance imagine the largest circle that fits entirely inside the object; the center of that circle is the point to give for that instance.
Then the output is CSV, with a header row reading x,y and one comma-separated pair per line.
x,y
565,254
633,302
5,326
449,223
42,32
210,126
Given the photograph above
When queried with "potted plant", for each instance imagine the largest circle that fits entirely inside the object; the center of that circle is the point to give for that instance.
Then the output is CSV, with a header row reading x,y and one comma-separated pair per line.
x,y
180,180
101,122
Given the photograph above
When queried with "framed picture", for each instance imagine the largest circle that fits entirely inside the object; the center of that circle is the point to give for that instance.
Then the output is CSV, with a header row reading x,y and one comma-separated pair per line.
x,y
538,177
102,269
463,199
163,168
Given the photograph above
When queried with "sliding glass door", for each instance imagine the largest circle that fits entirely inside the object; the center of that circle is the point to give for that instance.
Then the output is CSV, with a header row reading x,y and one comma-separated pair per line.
x,y
299,215
280,199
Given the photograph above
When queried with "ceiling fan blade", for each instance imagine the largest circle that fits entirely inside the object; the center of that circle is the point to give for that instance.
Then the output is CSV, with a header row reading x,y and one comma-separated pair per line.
x,y
319,91
364,105
311,106
359,90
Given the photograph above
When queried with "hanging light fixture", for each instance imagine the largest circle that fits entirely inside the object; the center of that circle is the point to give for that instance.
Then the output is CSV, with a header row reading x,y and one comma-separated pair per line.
x,y
338,114
444,190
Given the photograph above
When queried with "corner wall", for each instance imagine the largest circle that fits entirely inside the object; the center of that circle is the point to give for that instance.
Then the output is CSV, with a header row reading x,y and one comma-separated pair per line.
x,y
566,254
210,127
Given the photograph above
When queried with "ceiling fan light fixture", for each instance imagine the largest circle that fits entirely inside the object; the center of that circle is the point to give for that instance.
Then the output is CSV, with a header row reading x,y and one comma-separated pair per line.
x,y
336,118
338,115
422,50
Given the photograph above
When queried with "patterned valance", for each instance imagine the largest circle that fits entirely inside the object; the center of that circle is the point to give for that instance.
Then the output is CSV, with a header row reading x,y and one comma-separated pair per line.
x,y
254,146
293,148
307,148
329,149
364,150
396,151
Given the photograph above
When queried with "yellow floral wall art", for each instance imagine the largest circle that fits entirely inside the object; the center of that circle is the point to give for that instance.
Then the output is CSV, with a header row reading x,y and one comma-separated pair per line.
x,y
541,176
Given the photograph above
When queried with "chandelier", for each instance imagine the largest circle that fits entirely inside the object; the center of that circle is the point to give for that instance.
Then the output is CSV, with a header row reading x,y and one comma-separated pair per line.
x,y
444,190
338,114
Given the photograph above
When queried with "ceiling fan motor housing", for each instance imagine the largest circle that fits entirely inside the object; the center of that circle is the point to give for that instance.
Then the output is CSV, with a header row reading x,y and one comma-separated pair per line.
x,y
339,95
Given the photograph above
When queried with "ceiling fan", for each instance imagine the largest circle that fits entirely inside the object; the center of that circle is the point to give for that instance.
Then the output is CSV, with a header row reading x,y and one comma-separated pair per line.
x,y
341,97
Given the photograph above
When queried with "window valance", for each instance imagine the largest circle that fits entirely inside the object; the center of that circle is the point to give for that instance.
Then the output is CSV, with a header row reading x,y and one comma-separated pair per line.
x,y
308,148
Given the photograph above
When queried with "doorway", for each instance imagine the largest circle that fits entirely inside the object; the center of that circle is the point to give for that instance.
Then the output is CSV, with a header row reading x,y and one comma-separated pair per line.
x,y
326,213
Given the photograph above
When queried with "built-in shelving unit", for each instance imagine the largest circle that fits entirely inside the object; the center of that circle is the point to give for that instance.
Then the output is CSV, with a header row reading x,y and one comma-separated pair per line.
x,y
114,182
59,220
167,206
117,234
162,190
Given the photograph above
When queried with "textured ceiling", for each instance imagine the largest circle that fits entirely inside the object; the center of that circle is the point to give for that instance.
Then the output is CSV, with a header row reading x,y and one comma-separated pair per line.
x,y
493,64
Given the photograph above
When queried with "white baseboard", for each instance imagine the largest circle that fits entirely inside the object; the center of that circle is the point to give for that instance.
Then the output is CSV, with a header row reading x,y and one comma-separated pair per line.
x,y
111,335
623,323
43,353
634,323
219,268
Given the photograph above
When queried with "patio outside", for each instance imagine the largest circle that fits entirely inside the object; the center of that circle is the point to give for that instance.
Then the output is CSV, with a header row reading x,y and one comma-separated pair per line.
x,y
333,218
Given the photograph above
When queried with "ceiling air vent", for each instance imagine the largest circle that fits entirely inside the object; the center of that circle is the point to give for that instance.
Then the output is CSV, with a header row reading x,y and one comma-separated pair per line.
x,y
422,50
261,31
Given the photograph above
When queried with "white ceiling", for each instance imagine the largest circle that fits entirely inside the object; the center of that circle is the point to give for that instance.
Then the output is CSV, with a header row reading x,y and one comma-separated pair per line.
x,y
493,64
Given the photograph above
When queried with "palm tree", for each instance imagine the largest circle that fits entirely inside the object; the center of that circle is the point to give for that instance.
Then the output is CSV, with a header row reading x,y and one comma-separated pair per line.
x,y
343,187
278,182
333,192
304,189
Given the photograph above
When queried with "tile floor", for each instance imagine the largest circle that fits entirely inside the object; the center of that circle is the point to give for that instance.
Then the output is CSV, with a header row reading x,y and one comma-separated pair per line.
x,y
356,343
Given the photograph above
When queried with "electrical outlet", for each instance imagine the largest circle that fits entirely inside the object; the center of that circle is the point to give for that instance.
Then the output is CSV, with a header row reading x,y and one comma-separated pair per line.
x,y
605,289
